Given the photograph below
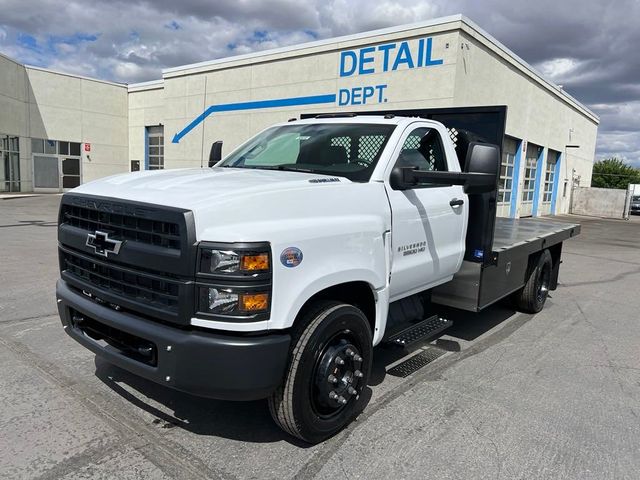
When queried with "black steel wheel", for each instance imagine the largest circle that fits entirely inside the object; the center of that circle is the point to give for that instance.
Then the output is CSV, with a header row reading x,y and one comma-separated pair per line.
x,y
328,371
532,297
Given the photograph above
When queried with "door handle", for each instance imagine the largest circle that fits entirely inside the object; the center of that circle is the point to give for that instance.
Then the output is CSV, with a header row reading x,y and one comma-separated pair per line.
x,y
456,202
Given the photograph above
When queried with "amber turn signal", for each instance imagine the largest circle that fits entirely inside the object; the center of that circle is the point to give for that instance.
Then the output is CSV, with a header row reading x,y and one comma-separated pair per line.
x,y
255,262
254,302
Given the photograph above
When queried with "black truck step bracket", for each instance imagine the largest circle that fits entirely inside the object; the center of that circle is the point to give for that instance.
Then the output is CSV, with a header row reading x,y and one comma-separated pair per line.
x,y
420,331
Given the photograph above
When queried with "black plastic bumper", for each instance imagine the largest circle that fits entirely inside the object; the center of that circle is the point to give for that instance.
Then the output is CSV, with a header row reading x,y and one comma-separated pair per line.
x,y
227,367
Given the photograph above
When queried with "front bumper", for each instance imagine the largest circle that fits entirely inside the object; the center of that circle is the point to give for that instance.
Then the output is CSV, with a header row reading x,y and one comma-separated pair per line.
x,y
227,367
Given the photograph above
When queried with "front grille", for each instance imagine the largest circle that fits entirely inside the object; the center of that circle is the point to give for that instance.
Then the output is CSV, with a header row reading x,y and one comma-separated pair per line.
x,y
124,283
125,227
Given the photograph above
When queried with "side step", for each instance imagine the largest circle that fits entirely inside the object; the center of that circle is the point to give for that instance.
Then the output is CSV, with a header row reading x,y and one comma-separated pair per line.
x,y
420,331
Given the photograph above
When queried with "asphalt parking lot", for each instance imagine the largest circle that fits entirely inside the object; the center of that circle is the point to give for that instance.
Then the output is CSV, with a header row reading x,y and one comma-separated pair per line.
x,y
555,395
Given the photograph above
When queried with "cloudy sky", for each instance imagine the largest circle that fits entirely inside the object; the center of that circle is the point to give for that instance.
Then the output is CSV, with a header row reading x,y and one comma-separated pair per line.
x,y
590,47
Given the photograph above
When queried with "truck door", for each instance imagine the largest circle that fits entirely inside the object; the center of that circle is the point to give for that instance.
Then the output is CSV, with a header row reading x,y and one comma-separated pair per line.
x,y
429,221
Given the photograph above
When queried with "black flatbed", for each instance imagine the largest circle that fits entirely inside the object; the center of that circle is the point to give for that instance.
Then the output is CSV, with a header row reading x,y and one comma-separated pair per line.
x,y
480,284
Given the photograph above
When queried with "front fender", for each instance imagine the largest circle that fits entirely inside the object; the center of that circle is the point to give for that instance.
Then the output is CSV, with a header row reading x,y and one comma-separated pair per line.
x,y
326,263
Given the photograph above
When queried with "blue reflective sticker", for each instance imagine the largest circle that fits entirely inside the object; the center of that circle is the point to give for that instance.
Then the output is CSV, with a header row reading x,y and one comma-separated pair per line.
x,y
291,257
478,253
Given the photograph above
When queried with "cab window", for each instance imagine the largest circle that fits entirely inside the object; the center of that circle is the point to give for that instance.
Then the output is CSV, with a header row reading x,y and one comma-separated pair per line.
x,y
423,149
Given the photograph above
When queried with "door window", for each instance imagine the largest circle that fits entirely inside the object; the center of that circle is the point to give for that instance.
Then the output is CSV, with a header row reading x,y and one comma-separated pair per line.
x,y
550,176
530,167
155,148
505,184
423,149
70,172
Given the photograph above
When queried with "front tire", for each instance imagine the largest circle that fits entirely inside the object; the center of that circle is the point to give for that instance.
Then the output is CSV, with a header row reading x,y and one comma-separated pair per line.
x,y
532,297
329,368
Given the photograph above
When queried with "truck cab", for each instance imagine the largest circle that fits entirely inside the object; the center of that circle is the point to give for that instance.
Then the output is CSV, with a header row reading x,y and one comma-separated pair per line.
x,y
274,273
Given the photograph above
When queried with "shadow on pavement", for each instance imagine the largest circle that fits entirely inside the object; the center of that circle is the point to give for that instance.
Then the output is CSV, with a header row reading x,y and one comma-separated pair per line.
x,y
242,421
251,421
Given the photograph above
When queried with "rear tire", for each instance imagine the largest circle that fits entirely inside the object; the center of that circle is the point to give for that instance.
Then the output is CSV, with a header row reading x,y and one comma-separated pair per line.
x,y
320,396
532,297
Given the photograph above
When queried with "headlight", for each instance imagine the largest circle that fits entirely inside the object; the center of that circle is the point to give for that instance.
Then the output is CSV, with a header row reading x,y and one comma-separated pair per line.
x,y
234,281
242,262
228,301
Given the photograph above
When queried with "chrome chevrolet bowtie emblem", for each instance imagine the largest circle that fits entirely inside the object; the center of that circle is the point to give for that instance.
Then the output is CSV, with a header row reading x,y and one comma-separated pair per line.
x,y
102,244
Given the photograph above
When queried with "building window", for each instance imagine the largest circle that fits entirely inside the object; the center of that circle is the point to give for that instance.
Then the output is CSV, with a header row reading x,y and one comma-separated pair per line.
x,y
550,176
56,163
505,185
10,163
531,162
155,148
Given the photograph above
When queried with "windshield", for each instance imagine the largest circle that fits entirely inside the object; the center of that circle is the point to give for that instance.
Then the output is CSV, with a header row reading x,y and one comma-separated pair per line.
x,y
635,198
344,150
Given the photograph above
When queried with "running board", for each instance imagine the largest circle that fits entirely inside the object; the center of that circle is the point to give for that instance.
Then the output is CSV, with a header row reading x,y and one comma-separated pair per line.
x,y
420,331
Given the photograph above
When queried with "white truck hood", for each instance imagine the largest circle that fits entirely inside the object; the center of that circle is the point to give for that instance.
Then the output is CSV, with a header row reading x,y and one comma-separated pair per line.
x,y
234,204
190,188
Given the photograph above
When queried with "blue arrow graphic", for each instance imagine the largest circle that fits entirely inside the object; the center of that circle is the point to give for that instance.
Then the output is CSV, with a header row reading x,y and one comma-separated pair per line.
x,y
229,107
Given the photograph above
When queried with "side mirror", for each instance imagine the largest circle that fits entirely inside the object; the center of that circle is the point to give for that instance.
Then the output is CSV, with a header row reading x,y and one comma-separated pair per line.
x,y
215,155
397,179
481,165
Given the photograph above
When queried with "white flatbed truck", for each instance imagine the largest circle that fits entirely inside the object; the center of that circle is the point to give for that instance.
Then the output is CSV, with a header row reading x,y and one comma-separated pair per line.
x,y
275,272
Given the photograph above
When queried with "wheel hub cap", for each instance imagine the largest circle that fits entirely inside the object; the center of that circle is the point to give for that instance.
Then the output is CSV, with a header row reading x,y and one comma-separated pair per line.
x,y
339,374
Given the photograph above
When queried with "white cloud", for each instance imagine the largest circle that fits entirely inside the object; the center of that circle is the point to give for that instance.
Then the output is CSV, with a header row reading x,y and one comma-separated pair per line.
x,y
556,68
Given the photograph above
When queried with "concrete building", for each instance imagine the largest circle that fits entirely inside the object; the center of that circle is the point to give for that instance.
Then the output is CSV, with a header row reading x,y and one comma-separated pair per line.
x,y
59,130
171,122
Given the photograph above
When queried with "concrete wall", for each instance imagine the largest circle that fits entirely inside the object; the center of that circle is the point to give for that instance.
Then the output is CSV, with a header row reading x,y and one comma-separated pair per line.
x,y
14,111
37,103
69,108
599,202
13,98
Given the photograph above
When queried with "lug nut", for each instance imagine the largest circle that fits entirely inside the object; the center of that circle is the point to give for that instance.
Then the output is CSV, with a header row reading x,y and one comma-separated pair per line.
x,y
358,374
342,400
339,361
332,379
350,352
357,358
351,390
333,395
